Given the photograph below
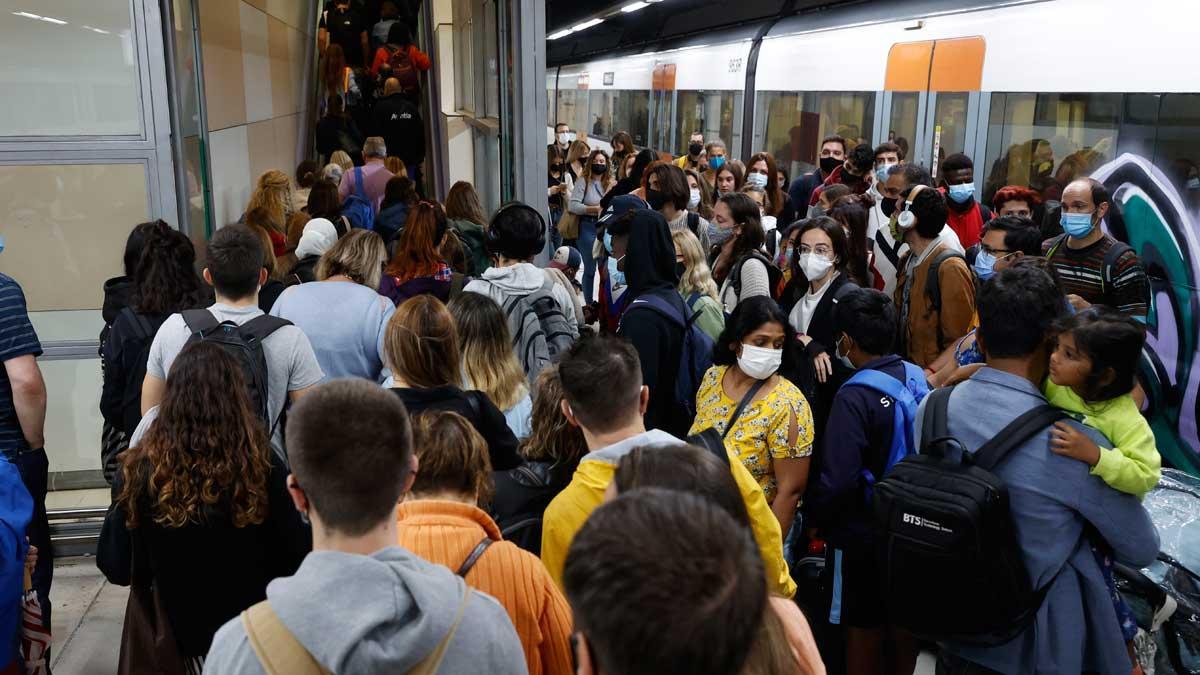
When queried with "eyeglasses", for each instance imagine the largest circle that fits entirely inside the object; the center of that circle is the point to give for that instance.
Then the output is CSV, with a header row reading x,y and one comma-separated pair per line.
x,y
995,252
820,249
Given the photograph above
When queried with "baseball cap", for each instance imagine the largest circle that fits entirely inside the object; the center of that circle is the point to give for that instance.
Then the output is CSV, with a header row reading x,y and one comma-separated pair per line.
x,y
620,205
566,257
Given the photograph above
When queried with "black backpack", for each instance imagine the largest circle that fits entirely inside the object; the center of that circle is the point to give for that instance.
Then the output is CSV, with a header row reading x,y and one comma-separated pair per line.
x,y
137,353
245,344
950,562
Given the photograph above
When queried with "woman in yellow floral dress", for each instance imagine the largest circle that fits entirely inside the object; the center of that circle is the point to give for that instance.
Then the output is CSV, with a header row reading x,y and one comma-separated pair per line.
x,y
774,434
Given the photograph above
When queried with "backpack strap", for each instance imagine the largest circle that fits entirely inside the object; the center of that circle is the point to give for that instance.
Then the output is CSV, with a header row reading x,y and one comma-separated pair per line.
x,y
359,190
142,328
1111,256
276,647
474,557
693,223
904,412
260,327
199,321
1024,427
741,406
658,304
934,426
1055,244
933,286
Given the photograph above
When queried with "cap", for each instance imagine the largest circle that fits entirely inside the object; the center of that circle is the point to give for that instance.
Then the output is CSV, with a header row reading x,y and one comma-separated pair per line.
x,y
566,257
620,205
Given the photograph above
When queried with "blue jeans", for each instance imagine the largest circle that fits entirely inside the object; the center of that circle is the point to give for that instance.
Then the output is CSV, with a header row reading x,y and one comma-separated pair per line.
x,y
587,237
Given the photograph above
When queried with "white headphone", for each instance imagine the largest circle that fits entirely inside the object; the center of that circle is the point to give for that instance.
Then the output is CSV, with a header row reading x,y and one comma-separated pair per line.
x,y
906,219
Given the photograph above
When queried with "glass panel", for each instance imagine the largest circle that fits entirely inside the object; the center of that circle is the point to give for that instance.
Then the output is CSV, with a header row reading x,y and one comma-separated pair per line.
x,y
949,127
73,418
715,114
572,108
187,95
1044,141
75,66
902,120
65,228
1177,151
792,124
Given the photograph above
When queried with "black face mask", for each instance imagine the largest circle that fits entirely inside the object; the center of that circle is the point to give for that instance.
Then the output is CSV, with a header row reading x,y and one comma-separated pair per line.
x,y
694,149
888,206
599,169
680,270
556,168
655,199
850,179
828,164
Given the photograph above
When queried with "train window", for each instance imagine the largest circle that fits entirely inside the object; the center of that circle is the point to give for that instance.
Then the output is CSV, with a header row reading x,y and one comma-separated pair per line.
x,y
950,125
902,120
791,125
572,105
616,110
1177,145
716,114
1043,141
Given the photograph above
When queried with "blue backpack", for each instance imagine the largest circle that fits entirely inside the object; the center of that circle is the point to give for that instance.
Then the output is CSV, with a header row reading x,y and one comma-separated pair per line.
x,y
695,354
907,395
16,510
357,208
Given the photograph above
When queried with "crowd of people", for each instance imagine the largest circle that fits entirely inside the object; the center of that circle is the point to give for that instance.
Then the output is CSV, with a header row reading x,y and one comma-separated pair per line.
x,y
431,454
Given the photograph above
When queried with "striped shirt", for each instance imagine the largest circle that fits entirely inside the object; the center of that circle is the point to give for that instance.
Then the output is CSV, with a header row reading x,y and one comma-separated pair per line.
x,y
17,338
1120,283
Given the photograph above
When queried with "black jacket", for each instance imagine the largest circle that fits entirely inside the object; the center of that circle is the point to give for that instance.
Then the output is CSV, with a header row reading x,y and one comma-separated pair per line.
x,y
476,407
399,122
124,352
305,270
522,495
208,573
650,270
337,133
820,329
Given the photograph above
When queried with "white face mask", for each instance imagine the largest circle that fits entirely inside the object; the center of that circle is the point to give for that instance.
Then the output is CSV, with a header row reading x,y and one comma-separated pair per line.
x,y
759,179
694,200
814,265
759,362
564,138
571,136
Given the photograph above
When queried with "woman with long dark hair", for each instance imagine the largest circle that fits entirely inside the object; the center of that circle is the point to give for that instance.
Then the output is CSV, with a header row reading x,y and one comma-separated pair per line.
x,y
417,266
742,268
761,171
595,181
853,212
202,511
622,147
632,182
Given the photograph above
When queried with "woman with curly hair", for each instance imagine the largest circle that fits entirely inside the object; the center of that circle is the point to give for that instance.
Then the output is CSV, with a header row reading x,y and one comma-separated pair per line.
x,y
201,506
273,192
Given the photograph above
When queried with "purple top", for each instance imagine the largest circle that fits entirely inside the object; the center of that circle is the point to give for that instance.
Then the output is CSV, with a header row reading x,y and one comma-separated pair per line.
x,y
375,178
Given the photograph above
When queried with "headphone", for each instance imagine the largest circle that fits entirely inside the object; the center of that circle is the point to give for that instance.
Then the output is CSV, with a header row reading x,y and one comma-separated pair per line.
x,y
906,219
492,236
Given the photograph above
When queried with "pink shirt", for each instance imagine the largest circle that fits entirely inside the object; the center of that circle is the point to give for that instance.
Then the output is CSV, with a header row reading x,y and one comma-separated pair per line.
x,y
375,178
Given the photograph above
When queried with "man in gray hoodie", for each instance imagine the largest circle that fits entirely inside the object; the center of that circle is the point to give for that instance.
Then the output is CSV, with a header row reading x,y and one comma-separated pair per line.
x,y
359,603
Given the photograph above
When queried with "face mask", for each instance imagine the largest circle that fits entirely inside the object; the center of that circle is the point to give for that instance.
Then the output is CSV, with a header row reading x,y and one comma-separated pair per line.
x,y
985,264
757,179
556,168
784,256
814,265
680,269
599,169
816,211
656,199
961,194
694,199
564,138
718,236
759,362
608,242
897,231
888,206
850,179
1076,225
828,164
694,149
715,163
571,136
768,223
881,173
837,350
615,276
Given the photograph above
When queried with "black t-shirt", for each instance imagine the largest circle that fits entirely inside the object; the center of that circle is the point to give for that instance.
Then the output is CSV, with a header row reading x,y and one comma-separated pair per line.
x,y
346,29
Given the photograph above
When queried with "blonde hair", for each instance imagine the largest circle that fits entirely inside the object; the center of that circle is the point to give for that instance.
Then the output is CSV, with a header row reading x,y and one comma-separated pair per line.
x,y
273,192
577,150
422,343
359,255
342,159
396,166
453,456
697,277
489,363
258,220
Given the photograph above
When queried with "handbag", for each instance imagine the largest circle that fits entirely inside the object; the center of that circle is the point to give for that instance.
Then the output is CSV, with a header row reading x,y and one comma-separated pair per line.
x,y
568,225
147,642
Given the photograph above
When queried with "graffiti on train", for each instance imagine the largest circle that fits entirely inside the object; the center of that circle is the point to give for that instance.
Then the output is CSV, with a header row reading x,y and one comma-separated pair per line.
x,y
1155,219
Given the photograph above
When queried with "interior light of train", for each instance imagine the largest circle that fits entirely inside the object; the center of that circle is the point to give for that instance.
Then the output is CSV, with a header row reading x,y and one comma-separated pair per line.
x,y
586,25
560,34
634,7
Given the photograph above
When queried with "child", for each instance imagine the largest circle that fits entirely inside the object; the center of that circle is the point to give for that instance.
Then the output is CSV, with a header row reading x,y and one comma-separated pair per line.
x,y
1092,374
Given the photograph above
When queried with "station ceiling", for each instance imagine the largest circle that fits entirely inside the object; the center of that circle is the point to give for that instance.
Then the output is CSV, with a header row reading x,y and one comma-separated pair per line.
x,y
659,22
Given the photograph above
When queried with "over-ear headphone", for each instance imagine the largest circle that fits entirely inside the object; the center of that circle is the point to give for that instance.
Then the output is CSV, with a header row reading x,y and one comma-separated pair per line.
x,y
906,219
492,234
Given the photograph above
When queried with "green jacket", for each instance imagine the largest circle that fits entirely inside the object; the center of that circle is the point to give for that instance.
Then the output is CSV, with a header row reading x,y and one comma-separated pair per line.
x,y
473,237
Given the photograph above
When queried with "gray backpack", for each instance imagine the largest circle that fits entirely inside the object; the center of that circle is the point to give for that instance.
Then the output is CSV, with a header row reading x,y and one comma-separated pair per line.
x,y
540,331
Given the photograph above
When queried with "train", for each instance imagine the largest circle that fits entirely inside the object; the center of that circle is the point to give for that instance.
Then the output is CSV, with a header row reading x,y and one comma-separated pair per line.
x,y
1037,92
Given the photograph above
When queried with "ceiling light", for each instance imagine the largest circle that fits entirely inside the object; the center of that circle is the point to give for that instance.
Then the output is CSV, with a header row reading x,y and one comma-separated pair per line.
x,y
50,19
634,7
96,30
559,34
27,15
586,25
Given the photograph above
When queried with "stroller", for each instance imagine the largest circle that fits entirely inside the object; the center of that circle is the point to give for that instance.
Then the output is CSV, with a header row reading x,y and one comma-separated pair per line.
x,y
1165,597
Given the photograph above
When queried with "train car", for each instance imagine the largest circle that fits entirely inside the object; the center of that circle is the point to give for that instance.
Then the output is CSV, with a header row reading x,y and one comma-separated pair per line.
x,y
1036,92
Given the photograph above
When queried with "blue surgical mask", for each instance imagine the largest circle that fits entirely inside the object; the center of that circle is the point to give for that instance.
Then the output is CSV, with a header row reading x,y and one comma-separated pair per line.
x,y
608,242
615,276
985,265
715,163
1077,225
961,194
758,179
881,173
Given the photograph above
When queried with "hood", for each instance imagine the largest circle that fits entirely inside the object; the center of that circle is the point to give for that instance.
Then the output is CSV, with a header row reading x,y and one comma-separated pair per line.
x,y
319,236
398,608
650,255
518,279
118,292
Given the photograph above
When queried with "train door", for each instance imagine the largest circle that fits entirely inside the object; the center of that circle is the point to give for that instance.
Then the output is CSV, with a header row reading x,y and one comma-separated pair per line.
x,y
662,108
932,100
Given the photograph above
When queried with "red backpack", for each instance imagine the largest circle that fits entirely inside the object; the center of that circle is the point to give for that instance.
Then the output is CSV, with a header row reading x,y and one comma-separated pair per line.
x,y
404,71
